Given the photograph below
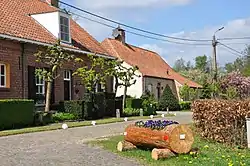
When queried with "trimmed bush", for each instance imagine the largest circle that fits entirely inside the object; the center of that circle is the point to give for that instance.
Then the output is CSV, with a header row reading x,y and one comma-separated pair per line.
x,y
74,107
15,113
60,117
134,103
109,95
222,120
99,105
110,110
185,105
150,110
168,100
131,112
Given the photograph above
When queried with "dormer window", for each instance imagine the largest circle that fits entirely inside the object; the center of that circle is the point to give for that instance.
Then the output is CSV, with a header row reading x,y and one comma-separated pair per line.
x,y
64,29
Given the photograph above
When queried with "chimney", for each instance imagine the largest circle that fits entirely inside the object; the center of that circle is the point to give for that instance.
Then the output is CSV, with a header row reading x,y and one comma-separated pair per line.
x,y
120,34
52,2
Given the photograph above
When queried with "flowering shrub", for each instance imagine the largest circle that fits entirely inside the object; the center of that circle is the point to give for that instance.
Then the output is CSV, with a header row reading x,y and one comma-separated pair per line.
x,y
237,81
155,125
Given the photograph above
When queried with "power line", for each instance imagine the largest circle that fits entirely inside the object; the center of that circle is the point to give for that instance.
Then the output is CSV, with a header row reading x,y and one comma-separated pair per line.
x,y
236,38
232,49
137,34
128,26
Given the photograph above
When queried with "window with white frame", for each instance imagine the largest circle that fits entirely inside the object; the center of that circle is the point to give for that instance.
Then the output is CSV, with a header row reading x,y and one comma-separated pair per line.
x,y
67,75
2,75
40,90
64,29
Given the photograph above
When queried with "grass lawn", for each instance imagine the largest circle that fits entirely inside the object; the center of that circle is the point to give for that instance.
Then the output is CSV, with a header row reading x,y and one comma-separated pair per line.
x,y
210,154
57,126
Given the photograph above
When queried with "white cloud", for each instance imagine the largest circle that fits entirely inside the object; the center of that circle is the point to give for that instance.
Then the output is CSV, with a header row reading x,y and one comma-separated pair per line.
x,y
111,4
234,28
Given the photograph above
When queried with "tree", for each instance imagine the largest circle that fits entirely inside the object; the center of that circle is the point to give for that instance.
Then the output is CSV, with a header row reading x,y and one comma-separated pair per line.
x,y
168,100
201,63
126,77
179,65
55,57
97,72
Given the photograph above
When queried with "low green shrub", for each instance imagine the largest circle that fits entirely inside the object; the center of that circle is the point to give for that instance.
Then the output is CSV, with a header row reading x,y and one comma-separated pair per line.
x,y
185,105
134,103
131,112
150,110
99,105
15,113
74,107
60,117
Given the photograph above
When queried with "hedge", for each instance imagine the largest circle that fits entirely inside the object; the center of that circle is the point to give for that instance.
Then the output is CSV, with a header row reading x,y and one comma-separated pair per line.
x,y
75,107
185,105
221,120
134,103
15,113
110,110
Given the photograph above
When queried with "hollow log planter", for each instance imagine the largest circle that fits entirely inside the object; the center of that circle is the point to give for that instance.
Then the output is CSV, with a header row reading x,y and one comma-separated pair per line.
x,y
124,146
177,138
161,154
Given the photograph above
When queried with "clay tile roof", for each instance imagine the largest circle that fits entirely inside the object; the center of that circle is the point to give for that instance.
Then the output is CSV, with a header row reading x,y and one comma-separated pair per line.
x,y
17,22
149,62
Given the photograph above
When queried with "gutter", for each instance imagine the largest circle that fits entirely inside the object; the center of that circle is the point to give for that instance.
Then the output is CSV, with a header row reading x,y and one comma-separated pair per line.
x,y
46,44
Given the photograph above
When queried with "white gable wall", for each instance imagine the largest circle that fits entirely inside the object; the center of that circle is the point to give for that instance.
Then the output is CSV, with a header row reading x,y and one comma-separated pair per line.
x,y
135,90
50,21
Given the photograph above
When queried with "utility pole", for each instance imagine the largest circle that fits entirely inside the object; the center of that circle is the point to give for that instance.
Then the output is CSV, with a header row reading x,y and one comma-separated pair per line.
x,y
215,68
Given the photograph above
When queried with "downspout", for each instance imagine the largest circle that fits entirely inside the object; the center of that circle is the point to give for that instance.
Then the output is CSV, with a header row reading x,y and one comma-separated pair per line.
x,y
23,70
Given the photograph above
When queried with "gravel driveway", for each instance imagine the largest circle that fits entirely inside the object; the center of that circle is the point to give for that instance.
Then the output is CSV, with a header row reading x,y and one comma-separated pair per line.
x,y
66,147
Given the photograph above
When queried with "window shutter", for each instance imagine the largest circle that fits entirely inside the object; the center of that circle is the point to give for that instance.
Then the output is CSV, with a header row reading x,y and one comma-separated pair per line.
x,y
31,83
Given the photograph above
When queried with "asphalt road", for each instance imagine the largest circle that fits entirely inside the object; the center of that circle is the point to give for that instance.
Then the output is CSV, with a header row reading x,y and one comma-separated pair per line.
x,y
67,147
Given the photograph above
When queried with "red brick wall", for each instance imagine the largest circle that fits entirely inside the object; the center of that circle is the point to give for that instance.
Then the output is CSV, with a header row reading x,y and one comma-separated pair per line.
x,y
11,51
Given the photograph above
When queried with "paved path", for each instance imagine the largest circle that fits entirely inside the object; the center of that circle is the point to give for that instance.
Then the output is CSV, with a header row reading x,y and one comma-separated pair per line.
x,y
66,147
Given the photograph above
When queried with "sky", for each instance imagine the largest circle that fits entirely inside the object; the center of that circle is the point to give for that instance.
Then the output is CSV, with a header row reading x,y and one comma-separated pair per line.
x,y
191,19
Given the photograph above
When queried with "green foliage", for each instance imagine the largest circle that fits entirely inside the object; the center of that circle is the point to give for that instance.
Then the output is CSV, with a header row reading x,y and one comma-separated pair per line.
x,y
131,112
99,106
185,105
61,117
110,110
168,100
149,110
149,102
74,107
16,113
134,103
97,72
54,56
201,63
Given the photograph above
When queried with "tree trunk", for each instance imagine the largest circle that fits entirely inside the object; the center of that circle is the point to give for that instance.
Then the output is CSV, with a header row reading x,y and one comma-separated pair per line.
x,y
48,96
161,154
116,84
177,138
124,145
124,97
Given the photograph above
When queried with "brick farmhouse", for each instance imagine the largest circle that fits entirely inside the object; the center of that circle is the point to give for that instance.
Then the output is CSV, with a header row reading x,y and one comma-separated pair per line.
x,y
30,24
